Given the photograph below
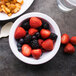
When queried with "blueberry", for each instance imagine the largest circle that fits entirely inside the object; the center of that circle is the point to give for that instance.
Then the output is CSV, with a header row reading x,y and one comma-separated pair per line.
x,y
19,45
25,25
34,37
37,35
19,49
53,36
21,41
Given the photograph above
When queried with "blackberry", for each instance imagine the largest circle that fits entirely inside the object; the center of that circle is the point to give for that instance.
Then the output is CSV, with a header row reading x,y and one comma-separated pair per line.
x,y
17,40
27,39
34,44
26,32
45,25
40,28
34,37
19,45
53,36
25,25
21,41
37,35
43,22
19,49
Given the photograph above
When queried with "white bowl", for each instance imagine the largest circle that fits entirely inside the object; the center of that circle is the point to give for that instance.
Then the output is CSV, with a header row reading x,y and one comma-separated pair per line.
x,y
45,56
24,7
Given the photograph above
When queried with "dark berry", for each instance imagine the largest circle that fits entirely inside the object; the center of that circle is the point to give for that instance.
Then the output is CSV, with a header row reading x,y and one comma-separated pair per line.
x,y
25,25
21,41
27,39
19,49
19,45
26,32
46,26
17,40
37,35
34,37
34,44
40,28
53,36
43,22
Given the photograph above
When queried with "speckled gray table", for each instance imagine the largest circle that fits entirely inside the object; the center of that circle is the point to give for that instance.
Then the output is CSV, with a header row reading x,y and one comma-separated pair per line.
x,y
60,65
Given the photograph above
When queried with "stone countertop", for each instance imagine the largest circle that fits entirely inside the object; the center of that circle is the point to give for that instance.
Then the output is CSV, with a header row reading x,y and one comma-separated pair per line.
x,y
61,65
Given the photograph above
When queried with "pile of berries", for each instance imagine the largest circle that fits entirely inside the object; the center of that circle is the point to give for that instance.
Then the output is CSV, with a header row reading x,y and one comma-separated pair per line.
x,y
68,42
33,37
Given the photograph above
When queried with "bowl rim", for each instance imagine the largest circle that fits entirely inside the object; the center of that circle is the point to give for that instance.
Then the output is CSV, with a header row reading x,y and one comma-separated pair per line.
x,y
12,40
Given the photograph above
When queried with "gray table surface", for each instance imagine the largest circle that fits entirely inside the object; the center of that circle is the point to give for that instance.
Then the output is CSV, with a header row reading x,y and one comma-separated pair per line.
x,y
61,65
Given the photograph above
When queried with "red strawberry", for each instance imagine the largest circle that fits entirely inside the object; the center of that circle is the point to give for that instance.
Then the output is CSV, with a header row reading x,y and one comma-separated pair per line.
x,y
32,31
64,39
48,44
45,33
73,40
40,41
69,48
19,33
26,50
36,53
35,22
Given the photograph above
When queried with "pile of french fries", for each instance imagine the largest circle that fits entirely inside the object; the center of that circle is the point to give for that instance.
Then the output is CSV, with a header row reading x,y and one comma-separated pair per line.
x,y
10,6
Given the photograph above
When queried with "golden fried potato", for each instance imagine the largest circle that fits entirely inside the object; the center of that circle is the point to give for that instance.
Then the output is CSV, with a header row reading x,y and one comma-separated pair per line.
x,y
18,5
13,1
10,6
5,9
0,9
9,14
20,1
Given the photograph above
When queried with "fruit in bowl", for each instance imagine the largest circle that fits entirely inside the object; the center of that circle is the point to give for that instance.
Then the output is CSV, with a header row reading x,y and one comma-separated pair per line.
x,y
33,35
32,39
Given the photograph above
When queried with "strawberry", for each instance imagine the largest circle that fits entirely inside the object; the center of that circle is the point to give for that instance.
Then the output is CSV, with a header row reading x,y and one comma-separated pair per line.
x,y
40,41
36,53
26,50
73,40
69,48
45,33
35,22
32,31
64,39
19,33
48,44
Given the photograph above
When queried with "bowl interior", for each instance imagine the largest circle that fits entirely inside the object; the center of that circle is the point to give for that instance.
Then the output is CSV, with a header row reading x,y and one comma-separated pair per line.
x,y
45,56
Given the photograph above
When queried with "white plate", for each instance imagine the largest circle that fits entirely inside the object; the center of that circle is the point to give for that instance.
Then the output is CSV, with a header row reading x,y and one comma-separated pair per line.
x,y
24,7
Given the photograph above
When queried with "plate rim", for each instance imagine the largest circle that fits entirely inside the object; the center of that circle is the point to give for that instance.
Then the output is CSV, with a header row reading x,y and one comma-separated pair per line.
x,y
9,18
